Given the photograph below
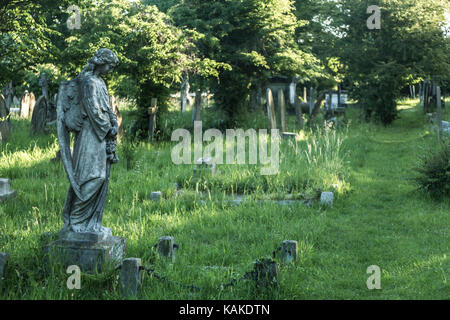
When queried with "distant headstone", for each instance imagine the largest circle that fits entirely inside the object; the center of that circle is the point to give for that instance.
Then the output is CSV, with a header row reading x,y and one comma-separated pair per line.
x,y
282,109
131,277
166,247
4,257
271,109
184,93
5,191
289,251
25,105
156,196
39,117
326,198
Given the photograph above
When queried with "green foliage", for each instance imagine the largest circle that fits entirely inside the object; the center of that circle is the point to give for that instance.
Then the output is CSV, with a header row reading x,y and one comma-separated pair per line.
x,y
434,170
378,63
256,38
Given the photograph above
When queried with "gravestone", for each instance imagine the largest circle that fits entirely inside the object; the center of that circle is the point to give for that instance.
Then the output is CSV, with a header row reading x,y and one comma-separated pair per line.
x,y
282,109
166,247
271,109
289,251
25,108
131,277
5,191
184,93
4,257
83,241
39,117
326,198
156,196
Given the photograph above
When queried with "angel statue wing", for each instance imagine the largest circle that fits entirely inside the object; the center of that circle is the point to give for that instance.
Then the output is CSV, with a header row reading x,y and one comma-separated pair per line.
x,y
69,120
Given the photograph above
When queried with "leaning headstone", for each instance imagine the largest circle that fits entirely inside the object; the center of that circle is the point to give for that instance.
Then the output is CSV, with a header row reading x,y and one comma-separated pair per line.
x,y
282,109
326,198
155,196
130,277
4,257
166,247
5,191
271,109
39,117
289,251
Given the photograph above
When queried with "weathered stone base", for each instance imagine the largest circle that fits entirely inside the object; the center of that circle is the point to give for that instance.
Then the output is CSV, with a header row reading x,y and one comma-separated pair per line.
x,y
89,255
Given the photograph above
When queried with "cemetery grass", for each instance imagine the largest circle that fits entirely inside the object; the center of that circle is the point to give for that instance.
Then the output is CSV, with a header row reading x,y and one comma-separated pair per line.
x,y
378,218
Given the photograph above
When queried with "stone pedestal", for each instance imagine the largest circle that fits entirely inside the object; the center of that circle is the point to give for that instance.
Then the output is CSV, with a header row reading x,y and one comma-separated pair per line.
x,y
5,192
88,250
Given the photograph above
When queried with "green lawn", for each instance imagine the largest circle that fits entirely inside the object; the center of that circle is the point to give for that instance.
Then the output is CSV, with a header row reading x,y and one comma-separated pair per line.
x,y
379,218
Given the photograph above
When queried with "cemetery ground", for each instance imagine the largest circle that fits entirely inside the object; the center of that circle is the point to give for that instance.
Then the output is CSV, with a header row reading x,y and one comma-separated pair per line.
x,y
378,217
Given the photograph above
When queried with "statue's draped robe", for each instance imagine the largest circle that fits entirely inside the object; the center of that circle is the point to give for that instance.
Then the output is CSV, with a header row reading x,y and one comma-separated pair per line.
x,y
91,168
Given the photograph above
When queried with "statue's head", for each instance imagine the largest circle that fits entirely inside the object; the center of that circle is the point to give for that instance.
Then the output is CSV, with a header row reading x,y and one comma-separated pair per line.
x,y
104,60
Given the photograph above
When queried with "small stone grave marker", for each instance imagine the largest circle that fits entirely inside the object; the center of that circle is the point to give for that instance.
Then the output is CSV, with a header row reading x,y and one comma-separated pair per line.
x,y
289,251
326,198
156,196
5,192
131,277
166,247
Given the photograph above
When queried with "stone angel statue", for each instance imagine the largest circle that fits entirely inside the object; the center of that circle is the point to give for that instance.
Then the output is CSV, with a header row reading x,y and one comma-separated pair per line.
x,y
83,108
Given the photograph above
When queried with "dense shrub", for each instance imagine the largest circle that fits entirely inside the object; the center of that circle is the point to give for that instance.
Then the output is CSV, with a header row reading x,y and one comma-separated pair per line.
x,y
434,171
